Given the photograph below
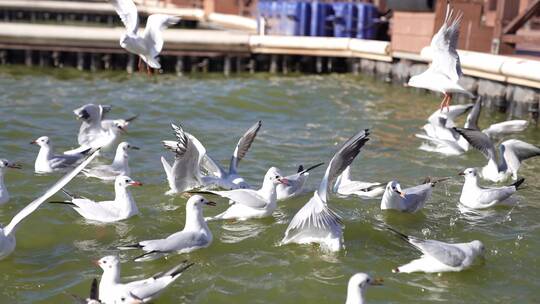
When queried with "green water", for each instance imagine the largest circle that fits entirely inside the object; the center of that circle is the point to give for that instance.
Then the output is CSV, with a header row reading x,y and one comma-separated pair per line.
x,y
304,119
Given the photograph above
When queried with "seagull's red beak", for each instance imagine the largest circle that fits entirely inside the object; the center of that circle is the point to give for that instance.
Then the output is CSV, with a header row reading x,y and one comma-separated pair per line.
x,y
33,142
284,181
95,262
136,183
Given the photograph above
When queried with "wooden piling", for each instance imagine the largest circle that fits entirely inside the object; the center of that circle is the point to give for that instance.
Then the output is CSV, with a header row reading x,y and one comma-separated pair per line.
x,y
130,63
273,64
80,61
179,67
227,65
28,58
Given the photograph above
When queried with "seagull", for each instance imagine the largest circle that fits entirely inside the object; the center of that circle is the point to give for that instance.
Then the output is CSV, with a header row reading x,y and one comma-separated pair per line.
x,y
118,167
123,206
148,45
230,180
195,234
344,186
475,197
439,256
4,194
445,70
447,141
511,153
409,200
97,132
316,222
358,285
110,287
94,297
295,183
190,155
7,233
248,203
47,162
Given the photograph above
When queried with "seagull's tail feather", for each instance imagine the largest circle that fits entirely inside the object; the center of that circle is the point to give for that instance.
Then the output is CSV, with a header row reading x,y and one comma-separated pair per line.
x,y
132,118
148,256
68,194
178,270
311,168
382,225
130,247
518,183
434,181
300,169
63,203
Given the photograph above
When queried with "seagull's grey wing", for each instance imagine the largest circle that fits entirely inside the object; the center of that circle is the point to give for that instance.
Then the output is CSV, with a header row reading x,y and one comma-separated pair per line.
x,y
479,141
212,167
314,219
26,211
341,160
444,46
506,127
246,197
488,196
155,24
472,119
147,289
174,242
415,197
515,151
445,253
453,112
243,146
127,11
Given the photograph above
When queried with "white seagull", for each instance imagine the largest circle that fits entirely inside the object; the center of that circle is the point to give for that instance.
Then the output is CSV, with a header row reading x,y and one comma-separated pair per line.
x,y
47,161
148,45
316,222
195,234
295,184
344,186
409,200
111,289
5,164
439,256
7,233
511,153
190,156
358,285
119,166
475,197
445,70
248,203
122,207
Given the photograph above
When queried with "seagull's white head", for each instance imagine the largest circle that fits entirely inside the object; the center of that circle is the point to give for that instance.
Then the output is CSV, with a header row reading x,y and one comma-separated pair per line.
x,y
108,262
477,247
43,141
4,163
197,202
91,112
394,187
469,173
274,177
358,284
120,126
125,146
126,181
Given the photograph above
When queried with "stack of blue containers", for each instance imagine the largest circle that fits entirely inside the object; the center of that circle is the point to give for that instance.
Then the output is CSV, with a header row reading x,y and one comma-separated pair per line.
x,y
317,18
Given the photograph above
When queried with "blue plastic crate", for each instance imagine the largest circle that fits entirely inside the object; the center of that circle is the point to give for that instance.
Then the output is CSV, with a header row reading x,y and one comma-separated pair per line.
x,y
345,19
322,19
367,15
303,15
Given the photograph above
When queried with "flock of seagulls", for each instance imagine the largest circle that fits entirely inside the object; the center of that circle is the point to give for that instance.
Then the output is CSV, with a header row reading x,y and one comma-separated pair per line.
x,y
196,174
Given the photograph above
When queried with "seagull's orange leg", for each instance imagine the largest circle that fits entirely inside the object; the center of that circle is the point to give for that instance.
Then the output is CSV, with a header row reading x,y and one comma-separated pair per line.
x,y
140,65
443,102
448,100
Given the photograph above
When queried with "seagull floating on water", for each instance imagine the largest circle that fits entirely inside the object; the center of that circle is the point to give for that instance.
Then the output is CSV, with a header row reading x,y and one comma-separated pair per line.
x,y
47,161
195,234
439,256
295,183
111,289
511,153
475,197
358,285
344,186
316,222
409,200
5,164
7,233
148,45
118,167
248,203
445,70
122,207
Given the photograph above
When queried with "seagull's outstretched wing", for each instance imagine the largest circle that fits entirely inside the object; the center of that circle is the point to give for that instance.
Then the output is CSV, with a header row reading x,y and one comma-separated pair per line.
x,y
243,146
341,160
515,151
155,24
246,197
471,121
479,141
444,46
26,211
506,127
127,11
